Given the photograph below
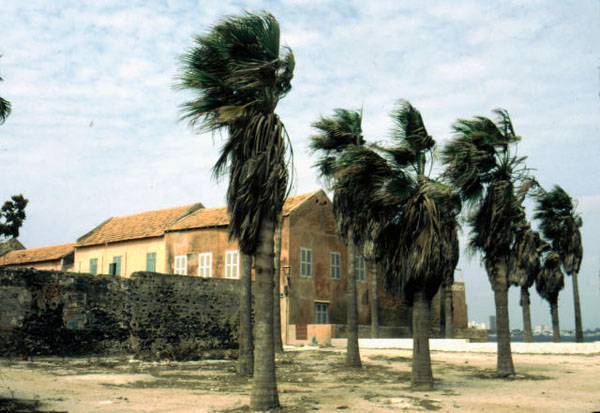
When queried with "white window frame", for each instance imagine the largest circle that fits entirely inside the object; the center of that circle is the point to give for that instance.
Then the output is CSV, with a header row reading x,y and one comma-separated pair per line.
x,y
306,262
180,265
361,269
321,310
335,265
232,269
205,264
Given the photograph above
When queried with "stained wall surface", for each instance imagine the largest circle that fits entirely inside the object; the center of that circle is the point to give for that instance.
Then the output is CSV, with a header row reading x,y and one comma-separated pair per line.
x,y
50,312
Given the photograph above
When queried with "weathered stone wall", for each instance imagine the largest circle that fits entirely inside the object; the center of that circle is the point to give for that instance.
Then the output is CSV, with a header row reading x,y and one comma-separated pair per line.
x,y
51,312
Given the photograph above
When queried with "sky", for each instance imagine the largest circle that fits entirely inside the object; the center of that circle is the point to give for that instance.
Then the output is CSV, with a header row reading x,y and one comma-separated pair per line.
x,y
94,131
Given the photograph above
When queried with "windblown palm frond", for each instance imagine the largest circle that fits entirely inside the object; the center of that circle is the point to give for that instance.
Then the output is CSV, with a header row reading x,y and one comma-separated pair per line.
x,y
343,165
550,280
560,224
525,257
479,165
238,73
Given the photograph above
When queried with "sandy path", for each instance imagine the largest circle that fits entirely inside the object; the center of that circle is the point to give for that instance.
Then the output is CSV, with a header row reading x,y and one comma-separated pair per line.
x,y
308,380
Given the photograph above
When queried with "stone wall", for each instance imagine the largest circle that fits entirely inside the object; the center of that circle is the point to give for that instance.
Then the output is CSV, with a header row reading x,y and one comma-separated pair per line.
x,y
56,313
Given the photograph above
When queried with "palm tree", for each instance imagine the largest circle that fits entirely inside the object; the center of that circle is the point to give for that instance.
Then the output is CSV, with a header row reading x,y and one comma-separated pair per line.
x,y
5,107
338,135
245,366
524,269
480,165
239,72
276,286
548,284
411,220
559,223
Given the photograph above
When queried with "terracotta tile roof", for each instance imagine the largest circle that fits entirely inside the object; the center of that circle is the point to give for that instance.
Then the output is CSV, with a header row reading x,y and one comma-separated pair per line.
x,y
217,217
142,225
31,255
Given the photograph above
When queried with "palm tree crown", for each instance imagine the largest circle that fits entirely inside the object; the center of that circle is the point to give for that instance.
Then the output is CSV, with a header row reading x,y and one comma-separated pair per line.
x,y
479,163
560,224
239,72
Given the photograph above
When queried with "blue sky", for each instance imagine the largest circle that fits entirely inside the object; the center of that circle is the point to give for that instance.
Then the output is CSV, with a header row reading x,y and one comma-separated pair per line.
x,y
94,130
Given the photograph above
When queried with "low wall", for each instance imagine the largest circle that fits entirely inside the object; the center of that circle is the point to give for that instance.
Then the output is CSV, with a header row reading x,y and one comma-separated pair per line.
x,y
307,334
56,313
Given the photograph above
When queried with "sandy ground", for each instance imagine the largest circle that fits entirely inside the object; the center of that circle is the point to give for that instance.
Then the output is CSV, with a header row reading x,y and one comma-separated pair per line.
x,y
309,379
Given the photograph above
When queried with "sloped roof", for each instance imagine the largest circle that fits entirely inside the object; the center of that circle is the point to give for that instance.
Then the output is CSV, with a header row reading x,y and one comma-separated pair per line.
x,y
143,225
10,245
218,217
31,255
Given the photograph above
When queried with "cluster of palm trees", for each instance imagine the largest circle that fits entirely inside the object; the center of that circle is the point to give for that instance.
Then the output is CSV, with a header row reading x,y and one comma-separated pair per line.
x,y
387,206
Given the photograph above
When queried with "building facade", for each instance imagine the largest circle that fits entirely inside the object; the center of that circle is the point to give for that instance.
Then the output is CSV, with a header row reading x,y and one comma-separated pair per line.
x,y
193,241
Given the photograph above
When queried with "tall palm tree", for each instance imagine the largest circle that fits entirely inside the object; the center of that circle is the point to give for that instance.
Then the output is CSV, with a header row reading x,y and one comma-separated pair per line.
x,y
524,268
549,282
480,165
338,135
559,223
5,107
276,286
239,72
408,217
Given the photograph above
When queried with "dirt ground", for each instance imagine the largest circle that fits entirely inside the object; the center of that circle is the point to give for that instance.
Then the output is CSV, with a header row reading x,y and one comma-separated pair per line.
x,y
309,379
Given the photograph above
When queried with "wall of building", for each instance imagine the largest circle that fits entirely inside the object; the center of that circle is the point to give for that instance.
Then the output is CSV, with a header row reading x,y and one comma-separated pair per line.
x,y
192,242
132,253
56,313
311,225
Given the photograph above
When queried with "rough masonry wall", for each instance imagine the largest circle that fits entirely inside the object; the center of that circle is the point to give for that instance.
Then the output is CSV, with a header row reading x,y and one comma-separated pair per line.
x,y
56,313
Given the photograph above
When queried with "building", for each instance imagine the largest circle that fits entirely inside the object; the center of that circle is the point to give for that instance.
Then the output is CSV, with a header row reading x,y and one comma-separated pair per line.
x,y
193,241
54,257
122,245
12,244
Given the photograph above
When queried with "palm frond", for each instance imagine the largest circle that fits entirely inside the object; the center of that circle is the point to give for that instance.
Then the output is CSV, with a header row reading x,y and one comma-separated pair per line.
x,y
550,279
559,223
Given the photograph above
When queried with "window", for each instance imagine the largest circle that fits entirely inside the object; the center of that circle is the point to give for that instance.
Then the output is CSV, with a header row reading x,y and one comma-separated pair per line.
x,y
321,313
305,262
115,267
205,264
94,266
232,264
151,262
360,269
180,265
335,265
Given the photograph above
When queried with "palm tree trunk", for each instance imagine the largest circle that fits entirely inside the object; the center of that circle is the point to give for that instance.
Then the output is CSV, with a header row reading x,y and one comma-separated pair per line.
x,y
504,363
555,325
374,301
246,356
276,294
448,312
264,384
576,302
421,378
352,352
527,332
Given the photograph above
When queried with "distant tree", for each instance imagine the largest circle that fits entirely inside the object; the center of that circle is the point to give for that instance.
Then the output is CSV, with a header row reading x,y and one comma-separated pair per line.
x,y
549,282
525,267
480,165
559,223
12,216
5,107
239,72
